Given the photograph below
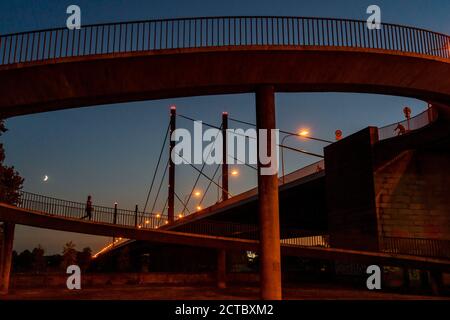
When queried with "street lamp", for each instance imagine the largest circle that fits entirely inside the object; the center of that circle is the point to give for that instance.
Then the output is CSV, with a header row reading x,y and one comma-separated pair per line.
x,y
196,194
234,173
302,133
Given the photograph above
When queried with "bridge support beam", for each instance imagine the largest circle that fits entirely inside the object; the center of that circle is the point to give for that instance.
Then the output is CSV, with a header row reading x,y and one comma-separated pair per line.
x,y
6,256
268,209
221,269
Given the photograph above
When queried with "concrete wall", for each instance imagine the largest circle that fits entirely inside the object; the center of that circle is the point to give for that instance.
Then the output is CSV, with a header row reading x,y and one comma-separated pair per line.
x,y
393,194
352,219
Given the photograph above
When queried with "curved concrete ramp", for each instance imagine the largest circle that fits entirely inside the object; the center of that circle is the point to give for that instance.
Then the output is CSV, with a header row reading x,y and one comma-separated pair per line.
x,y
93,80
41,220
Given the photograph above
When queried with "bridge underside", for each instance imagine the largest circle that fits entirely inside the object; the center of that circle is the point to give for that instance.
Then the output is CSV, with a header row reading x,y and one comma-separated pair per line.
x,y
302,210
112,78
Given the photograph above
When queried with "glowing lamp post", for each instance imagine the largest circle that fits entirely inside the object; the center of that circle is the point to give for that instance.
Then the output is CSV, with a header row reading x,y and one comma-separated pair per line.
x,y
301,133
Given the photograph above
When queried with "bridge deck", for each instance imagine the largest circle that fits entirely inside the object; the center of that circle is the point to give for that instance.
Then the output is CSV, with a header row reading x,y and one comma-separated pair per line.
x,y
54,69
42,220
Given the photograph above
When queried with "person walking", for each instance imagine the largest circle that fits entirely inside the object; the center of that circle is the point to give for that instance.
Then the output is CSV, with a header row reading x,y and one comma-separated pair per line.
x,y
88,208
401,129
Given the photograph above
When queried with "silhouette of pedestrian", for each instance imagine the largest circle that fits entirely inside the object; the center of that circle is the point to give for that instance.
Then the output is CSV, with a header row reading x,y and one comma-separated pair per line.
x,y
401,129
88,209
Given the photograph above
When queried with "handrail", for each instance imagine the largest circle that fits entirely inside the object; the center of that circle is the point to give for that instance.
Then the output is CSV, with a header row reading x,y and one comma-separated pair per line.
x,y
291,236
77,210
199,32
419,121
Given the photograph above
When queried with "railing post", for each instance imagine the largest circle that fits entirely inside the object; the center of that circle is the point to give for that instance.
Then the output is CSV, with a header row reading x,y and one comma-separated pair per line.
x,y
224,157
135,216
115,213
171,195
115,219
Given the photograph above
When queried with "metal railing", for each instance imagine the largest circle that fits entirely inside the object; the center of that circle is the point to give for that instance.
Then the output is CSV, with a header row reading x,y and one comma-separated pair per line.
x,y
77,210
123,217
414,123
308,170
220,228
215,32
251,231
417,247
291,236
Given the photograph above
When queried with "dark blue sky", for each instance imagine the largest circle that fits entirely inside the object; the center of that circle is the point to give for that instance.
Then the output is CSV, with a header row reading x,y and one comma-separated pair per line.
x,y
111,151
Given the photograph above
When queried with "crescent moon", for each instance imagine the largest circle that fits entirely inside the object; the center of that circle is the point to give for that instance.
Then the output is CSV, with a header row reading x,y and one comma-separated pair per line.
x,y
45,178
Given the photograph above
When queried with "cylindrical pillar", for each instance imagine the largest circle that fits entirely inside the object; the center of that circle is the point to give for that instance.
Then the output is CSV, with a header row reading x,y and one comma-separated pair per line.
x,y
171,195
6,259
268,211
221,269
224,157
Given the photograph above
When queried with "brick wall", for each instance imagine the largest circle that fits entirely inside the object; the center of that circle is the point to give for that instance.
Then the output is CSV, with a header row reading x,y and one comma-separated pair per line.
x,y
412,195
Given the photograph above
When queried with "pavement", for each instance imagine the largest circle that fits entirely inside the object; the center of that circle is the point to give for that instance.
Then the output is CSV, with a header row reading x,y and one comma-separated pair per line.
x,y
164,292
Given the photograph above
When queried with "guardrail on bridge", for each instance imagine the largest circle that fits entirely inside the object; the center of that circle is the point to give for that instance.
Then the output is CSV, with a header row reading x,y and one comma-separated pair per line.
x,y
203,32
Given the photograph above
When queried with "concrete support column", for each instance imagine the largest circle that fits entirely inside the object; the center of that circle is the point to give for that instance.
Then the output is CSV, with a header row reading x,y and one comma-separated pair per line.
x,y
221,269
268,210
6,256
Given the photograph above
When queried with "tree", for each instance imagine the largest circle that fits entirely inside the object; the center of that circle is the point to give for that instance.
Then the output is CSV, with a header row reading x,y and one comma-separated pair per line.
x,y
39,261
24,261
69,255
10,181
84,258
54,262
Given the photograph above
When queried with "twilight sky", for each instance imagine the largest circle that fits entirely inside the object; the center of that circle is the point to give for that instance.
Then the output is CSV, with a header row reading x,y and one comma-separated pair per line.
x,y
111,151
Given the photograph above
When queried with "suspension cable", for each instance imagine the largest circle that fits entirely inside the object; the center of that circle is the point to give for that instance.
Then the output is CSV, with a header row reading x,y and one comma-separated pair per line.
x,y
242,162
203,167
203,174
209,185
283,131
176,195
250,137
193,120
165,206
155,172
160,185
